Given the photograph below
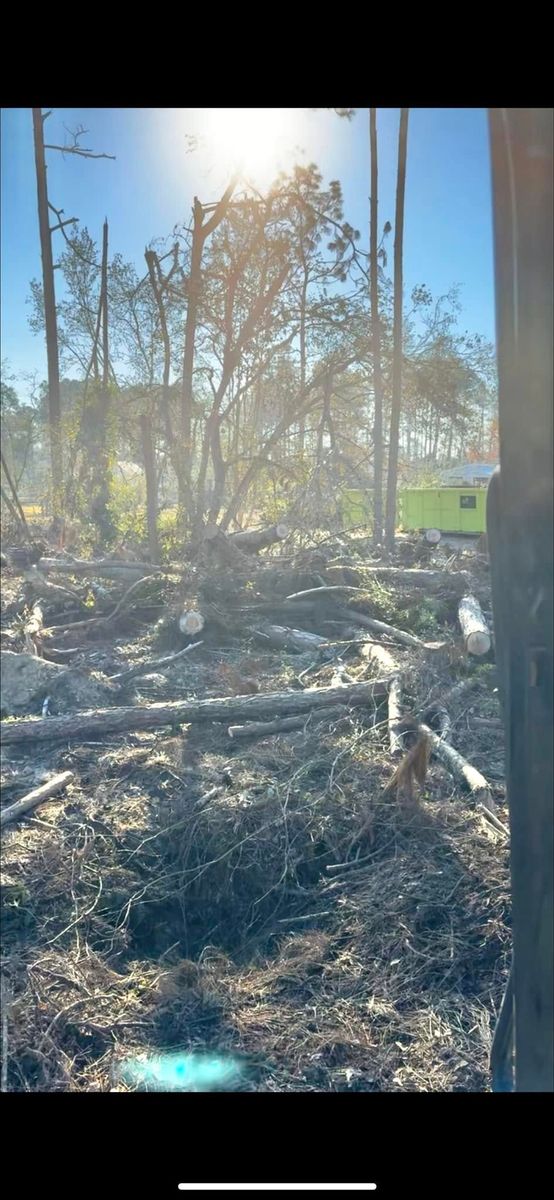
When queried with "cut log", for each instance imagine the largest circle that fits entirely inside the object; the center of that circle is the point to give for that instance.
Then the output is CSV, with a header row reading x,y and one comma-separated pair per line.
x,y
191,622
463,771
386,663
32,629
34,798
107,569
433,536
251,540
397,635
299,641
477,638
396,740
185,712
155,664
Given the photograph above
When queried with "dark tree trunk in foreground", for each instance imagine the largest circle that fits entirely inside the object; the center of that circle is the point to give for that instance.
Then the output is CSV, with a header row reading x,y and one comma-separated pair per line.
x,y
375,340
397,335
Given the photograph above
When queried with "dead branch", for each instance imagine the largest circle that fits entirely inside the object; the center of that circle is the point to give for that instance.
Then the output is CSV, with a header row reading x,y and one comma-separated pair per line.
x,y
462,770
34,798
154,664
385,661
316,592
109,569
108,617
397,635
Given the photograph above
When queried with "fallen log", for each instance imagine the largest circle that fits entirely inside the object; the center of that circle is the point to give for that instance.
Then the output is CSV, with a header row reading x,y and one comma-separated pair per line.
x,y
299,641
398,635
34,798
385,661
185,712
396,740
477,638
105,567
252,540
462,770
32,629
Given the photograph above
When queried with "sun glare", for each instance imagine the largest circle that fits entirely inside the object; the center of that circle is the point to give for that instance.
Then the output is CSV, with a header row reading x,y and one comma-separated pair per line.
x,y
258,142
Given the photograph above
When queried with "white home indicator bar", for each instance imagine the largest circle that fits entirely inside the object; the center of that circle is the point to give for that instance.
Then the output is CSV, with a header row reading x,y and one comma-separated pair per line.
x,y
277,1187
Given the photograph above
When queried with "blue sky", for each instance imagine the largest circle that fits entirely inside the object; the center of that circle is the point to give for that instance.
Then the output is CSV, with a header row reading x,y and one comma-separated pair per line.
x,y
150,186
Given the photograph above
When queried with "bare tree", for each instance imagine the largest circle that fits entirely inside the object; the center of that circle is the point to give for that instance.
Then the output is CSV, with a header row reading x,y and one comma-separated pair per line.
x,y
50,317
54,406
397,333
200,232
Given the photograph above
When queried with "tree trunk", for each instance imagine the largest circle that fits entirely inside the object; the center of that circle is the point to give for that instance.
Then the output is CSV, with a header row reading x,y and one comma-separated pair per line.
x,y
50,320
397,335
194,283
376,341
99,506
173,445
151,488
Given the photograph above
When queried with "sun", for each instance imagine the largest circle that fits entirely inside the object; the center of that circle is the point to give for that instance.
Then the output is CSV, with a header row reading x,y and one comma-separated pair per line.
x,y
257,142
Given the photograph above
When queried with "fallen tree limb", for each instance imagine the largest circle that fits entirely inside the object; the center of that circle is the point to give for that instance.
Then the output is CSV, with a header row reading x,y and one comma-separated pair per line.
x,y
493,820
32,629
185,712
109,569
462,770
477,639
107,617
397,635
385,661
396,740
154,664
34,798
316,592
